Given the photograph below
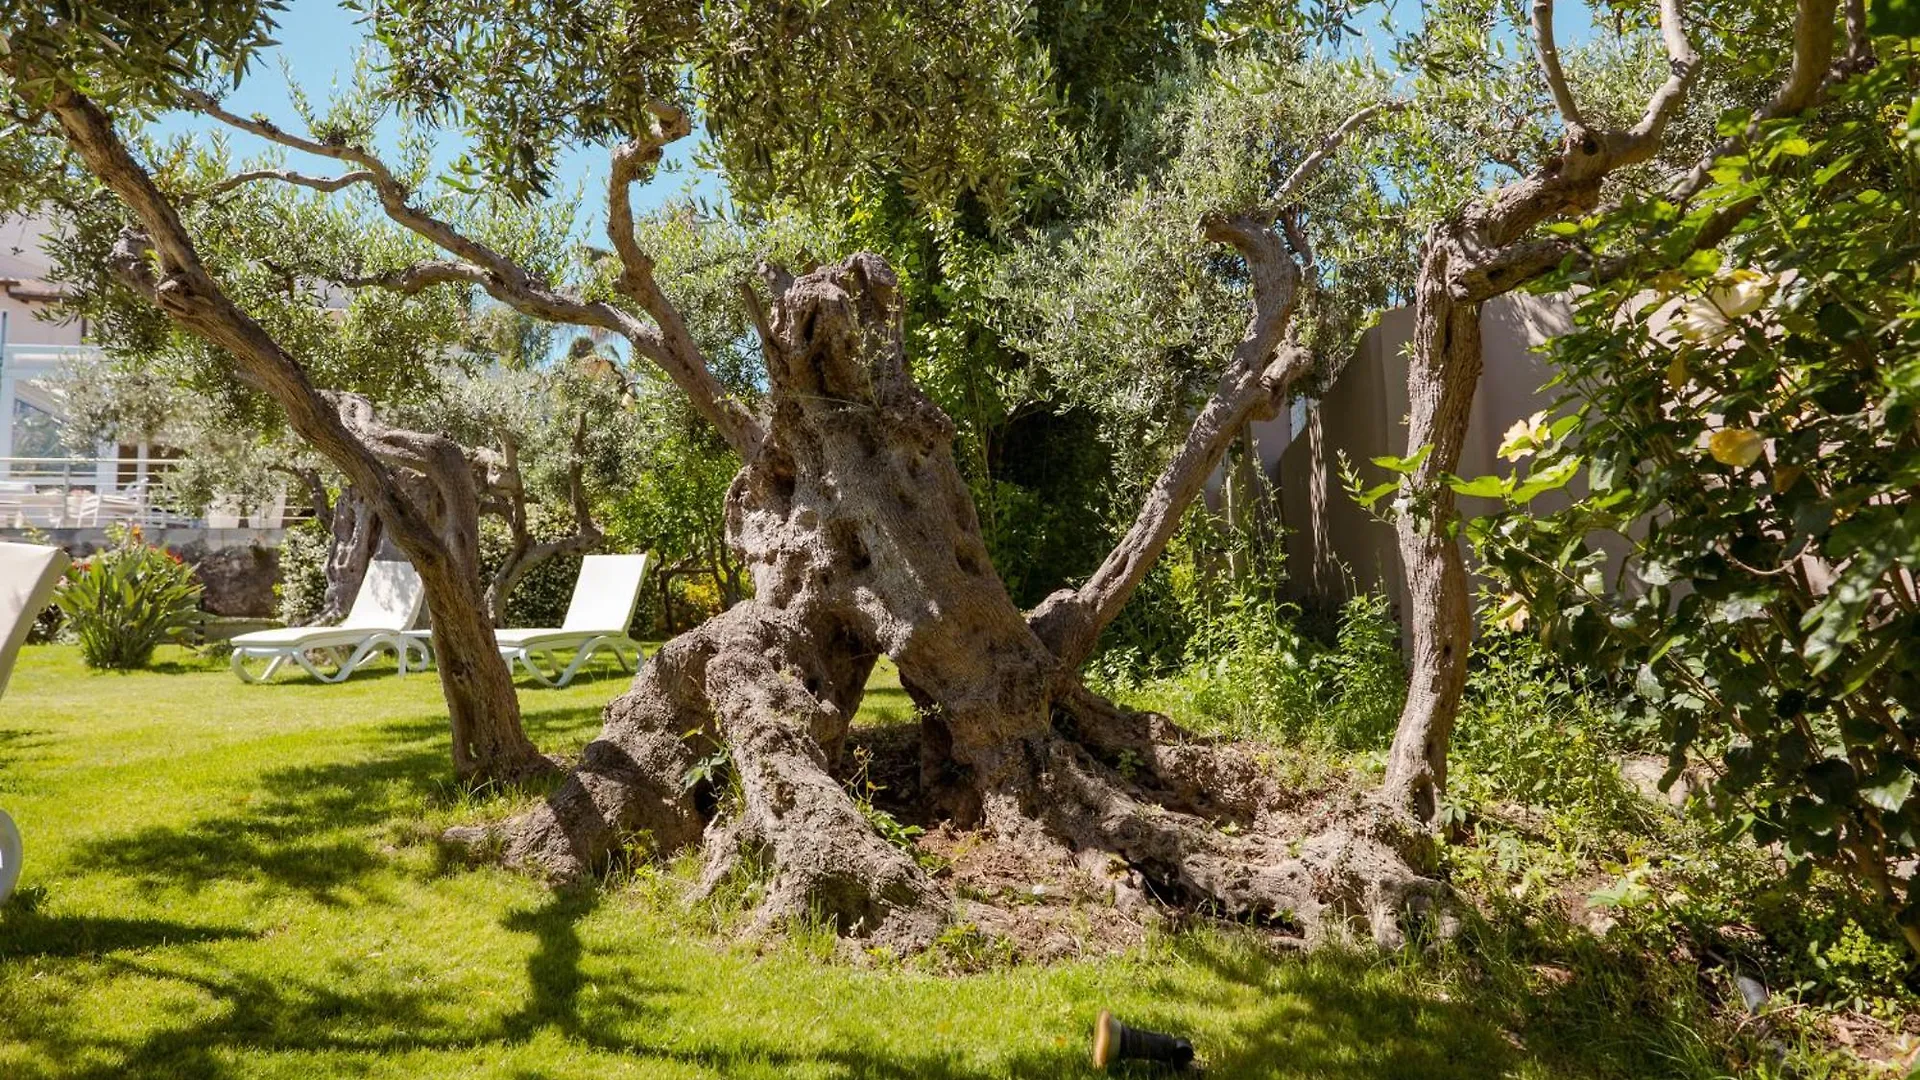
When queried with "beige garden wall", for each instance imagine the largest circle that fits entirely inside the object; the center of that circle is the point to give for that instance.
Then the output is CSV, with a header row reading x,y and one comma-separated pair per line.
x,y
1333,547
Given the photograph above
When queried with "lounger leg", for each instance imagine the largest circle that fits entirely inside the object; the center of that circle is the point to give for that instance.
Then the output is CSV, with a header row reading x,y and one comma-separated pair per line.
x,y
240,658
366,650
525,657
413,645
585,653
300,657
580,656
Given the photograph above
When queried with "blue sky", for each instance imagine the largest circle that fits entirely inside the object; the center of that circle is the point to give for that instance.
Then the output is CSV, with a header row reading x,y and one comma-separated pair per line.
x,y
319,43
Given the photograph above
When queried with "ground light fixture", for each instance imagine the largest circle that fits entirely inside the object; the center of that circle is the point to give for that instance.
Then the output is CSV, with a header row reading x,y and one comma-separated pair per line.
x,y
1114,1042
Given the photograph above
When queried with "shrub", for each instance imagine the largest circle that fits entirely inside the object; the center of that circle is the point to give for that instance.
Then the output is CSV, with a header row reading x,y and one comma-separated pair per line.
x,y
543,593
125,601
303,573
1251,671
1742,563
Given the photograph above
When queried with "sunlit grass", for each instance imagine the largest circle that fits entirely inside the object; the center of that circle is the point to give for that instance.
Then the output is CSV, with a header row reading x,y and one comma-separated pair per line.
x,y
230,880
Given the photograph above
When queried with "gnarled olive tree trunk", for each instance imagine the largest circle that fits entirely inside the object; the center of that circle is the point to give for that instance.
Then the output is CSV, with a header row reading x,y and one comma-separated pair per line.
x,y
354,538
862,540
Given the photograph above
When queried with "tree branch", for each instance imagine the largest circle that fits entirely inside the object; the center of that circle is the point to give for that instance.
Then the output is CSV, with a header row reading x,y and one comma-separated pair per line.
x,y
1070,621
1310,165
524,554
1256,380
162,263
633,162
512,284
288,176
1683,64
1808,75
1549,53
408,280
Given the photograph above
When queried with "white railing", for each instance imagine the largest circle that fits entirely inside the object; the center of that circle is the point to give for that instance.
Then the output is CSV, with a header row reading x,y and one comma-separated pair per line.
x,y
41,359
65,493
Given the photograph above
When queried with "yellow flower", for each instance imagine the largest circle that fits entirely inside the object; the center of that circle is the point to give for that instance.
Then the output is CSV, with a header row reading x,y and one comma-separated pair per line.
x,y
1525,436
1742,293
1513,613
1699,321
1738,447
1709,318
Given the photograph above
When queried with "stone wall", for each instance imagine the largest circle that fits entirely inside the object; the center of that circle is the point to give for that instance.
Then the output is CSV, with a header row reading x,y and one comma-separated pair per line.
x,y
237,567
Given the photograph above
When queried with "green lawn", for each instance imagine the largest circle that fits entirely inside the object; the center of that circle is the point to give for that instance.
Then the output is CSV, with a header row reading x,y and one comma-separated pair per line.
x,y
231,880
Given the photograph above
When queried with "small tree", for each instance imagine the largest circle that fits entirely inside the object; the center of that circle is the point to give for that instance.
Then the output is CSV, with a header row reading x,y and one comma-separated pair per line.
x,y
1491,244
58,67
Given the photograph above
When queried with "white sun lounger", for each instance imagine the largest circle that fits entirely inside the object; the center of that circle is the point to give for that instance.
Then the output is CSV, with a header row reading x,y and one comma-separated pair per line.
x,y
28,574
386,606
597,618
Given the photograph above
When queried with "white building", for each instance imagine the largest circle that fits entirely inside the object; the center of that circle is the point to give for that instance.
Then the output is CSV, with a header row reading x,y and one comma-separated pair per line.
x,y
43,481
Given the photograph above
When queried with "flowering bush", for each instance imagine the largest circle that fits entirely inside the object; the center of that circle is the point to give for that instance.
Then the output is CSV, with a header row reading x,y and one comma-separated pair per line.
x,y
1747,417
123,602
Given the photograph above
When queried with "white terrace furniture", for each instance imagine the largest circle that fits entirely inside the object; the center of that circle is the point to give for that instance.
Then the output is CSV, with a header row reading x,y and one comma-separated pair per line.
x,y
28,574
597,618
383,611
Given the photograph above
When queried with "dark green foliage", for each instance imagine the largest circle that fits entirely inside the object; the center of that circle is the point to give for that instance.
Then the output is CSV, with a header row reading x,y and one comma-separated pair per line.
x,y
302,588
1750,431
123,53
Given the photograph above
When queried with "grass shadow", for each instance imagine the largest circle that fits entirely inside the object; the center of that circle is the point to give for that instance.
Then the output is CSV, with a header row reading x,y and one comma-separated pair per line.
x,y
309,830
25,932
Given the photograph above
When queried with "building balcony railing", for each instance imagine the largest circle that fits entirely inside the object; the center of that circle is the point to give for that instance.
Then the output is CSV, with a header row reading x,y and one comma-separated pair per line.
x,y
81,493
28,358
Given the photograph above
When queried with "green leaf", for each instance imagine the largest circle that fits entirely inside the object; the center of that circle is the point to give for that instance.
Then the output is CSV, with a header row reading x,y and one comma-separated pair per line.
x,y
1404,465
1552,478
1481,487
1376,493
1892,795
1701,263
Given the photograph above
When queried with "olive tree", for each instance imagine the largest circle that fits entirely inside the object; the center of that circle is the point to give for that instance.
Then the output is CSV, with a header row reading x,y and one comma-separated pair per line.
x,y
68,70
1495,241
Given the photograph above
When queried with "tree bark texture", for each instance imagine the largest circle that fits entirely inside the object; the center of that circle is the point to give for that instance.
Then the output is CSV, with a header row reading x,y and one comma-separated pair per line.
x,y
1442,375
524,553
862,541
354,536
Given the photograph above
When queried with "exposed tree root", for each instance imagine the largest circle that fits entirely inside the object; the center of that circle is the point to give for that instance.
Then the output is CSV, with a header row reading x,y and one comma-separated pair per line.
x,y
1204,824
1188,823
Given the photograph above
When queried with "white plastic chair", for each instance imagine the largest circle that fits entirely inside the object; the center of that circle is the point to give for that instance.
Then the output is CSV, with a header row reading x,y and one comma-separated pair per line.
x,y
385,608
597,618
